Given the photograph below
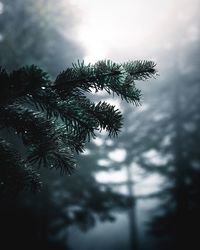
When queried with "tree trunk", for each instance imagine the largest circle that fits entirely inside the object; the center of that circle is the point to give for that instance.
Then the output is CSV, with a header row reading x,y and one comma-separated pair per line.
x,y
133,229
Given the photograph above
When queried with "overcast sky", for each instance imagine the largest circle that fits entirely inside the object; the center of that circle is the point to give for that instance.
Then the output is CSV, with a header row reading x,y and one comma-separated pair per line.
x,y
122,29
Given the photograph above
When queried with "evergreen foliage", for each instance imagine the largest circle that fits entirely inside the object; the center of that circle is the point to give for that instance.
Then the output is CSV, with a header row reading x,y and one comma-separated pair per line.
x,y
59,117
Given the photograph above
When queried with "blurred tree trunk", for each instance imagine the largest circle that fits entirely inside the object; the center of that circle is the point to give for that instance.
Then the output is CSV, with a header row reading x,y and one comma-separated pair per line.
x,y
133,228
180,163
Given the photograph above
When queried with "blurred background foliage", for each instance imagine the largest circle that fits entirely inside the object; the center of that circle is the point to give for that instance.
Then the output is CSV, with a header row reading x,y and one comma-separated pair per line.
x,y
150,174
32,33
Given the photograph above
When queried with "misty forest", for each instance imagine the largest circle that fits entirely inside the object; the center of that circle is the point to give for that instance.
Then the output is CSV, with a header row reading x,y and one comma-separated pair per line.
x,y
100,124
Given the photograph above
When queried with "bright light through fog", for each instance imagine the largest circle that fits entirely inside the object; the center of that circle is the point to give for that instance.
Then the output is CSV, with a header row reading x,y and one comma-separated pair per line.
x,y
117,176
155,158
149,185
103,162
98,141
118,155
117,24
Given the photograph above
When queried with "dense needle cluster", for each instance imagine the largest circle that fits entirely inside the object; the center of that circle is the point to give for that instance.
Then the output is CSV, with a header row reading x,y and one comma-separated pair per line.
x,y
54,119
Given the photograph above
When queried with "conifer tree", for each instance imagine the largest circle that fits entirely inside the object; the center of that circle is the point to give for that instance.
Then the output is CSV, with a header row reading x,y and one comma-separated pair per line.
x,y
59,118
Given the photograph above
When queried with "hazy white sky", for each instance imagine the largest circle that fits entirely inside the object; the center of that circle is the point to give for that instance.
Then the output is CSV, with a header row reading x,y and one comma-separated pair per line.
x,y
125,28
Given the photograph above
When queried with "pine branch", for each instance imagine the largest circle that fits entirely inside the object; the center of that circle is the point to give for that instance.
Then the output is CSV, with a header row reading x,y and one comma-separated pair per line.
x,y
140,70
21,82
118,78
15,174
76,142
78,112
109,118
46,147
55,119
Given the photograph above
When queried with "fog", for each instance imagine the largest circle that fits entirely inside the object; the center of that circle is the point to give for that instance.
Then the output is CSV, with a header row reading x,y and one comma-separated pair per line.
x,y
141,189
